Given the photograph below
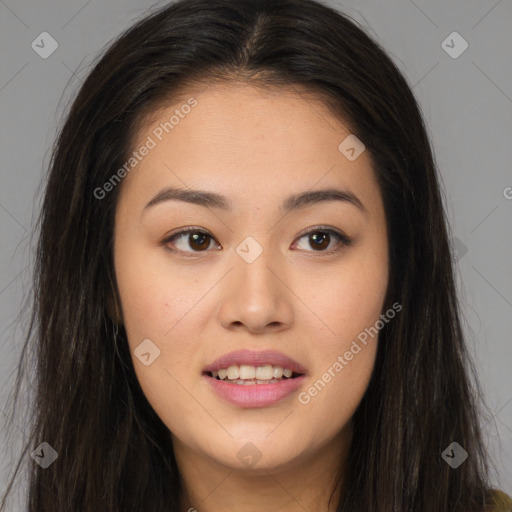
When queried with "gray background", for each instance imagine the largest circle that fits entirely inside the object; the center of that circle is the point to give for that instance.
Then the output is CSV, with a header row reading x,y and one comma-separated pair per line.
x,y
466,102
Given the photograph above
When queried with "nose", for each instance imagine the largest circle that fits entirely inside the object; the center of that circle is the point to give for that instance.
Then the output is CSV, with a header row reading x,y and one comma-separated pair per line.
x,y
255,297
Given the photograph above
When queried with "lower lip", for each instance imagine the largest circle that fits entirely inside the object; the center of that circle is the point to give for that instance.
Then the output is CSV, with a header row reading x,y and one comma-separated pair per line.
x,y
255,395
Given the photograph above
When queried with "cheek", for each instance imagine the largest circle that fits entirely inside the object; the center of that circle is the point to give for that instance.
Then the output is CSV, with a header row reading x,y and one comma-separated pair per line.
x,y
157,312
349,311
158,307
348,301
332,396
157,302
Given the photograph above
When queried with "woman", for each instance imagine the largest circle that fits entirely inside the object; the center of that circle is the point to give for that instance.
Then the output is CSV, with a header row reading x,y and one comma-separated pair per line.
x,y
244,288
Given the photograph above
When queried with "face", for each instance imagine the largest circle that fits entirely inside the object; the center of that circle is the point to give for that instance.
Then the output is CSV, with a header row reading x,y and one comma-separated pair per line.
x,y
293,283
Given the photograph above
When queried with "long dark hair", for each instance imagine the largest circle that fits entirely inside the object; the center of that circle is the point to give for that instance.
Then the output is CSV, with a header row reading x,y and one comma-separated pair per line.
x,y
114,452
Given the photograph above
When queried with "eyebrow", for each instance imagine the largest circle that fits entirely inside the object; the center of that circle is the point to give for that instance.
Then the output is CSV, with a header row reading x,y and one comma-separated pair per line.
x,y
291,203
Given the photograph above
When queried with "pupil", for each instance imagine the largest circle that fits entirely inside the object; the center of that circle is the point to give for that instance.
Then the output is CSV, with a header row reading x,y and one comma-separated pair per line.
x,y
195,236
316,237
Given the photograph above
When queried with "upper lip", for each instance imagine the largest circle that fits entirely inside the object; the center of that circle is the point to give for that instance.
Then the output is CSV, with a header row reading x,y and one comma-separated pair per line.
x,y
253,358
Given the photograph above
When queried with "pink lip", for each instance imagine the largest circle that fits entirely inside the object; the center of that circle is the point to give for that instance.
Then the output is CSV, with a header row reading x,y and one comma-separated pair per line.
x,y
252,358
255,395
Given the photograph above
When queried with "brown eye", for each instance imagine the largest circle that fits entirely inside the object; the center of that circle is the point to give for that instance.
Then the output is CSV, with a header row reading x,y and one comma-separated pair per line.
x,y
189,240
320,239
194,240
199,241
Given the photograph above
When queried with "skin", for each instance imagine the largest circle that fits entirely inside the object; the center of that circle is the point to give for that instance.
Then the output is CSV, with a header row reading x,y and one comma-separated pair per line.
x,y
254,147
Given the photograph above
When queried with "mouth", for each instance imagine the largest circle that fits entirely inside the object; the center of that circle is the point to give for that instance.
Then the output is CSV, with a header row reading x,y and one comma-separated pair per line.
x,y
247,375
248,367
254,379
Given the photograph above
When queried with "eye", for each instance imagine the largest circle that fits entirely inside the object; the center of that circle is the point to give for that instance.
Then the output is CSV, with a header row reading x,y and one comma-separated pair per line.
x,y
320,238
198,240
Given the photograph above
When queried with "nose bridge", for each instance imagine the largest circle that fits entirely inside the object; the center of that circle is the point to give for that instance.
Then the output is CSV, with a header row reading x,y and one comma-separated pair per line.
x,y
253,262
254,295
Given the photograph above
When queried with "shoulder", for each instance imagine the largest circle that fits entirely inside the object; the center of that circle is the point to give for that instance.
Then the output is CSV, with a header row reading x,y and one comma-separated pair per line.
x,y
501,502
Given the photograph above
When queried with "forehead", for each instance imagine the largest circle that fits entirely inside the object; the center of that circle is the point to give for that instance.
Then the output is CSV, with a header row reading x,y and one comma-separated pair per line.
x,y
247,143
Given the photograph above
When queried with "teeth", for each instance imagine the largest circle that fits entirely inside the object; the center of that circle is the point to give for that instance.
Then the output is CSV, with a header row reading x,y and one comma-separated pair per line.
x,y
233,373
264,372
254,381
247,374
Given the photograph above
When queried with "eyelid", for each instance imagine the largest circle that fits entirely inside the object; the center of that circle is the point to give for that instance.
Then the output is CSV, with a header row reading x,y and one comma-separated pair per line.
x,y
344,240
323,229
185,231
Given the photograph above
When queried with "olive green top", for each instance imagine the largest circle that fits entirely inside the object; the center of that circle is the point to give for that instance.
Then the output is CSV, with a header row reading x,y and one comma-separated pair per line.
x,y
502,502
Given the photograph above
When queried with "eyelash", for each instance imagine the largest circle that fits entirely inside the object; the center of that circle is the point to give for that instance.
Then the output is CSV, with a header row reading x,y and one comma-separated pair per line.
x,y
344,241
